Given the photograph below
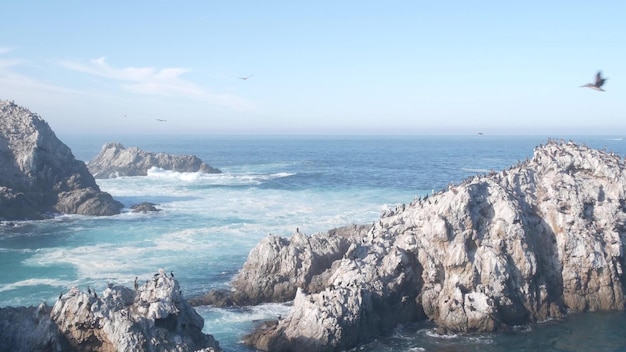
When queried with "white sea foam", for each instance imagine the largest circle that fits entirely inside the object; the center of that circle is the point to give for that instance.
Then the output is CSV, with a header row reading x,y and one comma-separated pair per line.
x,y
246,314
17,250
98,262
473,338
221,179
35,282
435,334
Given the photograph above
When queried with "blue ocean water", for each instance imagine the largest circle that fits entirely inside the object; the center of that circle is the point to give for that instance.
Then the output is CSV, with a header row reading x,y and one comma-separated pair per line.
x,y
270,184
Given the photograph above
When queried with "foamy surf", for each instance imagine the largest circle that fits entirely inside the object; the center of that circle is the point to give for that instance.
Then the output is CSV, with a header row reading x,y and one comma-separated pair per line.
x,y
35,282
221,321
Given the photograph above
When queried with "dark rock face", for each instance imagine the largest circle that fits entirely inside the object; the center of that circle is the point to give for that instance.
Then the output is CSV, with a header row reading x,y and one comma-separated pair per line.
x,y
144,207
151,317
523,245
30,329
114,160
39,174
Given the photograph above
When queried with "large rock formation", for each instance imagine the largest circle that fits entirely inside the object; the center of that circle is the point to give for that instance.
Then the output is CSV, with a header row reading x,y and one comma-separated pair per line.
x,y
38,173
277,267
523,245
114,160
151,317
30,329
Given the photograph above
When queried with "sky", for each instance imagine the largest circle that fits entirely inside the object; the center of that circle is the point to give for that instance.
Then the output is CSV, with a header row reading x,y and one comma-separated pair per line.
x,y
316,67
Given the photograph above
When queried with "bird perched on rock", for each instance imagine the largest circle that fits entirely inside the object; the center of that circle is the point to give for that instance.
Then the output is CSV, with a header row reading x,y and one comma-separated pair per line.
x,y
598,84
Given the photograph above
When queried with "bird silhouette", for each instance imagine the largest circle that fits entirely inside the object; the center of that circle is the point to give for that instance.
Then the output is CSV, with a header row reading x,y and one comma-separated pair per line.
x,y
245,78
598,84
161,120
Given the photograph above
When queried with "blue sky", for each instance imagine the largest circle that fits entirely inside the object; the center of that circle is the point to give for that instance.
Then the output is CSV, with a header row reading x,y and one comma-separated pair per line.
x,y
319,67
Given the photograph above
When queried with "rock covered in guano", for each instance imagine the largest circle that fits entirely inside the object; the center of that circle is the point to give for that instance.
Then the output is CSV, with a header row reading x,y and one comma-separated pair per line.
x,y
152,316
114,160
39,174
523,245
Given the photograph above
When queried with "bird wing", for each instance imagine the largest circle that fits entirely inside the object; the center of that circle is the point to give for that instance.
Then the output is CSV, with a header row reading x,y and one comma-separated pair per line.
x,y
599,79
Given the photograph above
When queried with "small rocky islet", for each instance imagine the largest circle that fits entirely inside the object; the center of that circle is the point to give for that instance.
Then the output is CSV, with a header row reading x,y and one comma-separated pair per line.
x,y
114,160
533,242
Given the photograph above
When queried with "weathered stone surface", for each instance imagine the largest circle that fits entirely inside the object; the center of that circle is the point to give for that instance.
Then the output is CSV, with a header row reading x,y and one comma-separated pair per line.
x,y
30,329
277,267
151,317
522,245
39,174
114,161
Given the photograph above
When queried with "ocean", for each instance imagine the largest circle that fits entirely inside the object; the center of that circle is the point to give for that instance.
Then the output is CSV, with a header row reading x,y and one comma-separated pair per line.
x,y
271,184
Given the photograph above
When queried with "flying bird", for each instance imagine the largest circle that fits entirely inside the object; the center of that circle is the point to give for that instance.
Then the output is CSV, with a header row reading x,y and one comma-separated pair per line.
x,y
161,120
246,77
598,84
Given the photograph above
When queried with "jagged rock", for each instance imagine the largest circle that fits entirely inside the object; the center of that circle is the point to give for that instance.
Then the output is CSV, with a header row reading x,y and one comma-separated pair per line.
x,y
144,207
152,317
277,267
114,161
217,298
523,245
39,174
30,329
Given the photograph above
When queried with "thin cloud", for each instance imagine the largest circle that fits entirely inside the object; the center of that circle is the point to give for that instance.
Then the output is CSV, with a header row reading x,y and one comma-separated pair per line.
x,y
12,80
6,63
153,81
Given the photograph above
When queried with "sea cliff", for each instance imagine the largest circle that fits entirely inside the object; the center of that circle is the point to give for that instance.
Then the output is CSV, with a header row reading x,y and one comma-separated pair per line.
x,y
39,175
526,244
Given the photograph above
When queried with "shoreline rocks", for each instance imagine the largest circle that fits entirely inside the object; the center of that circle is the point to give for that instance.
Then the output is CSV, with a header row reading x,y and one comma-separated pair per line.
x,y
114,160
152,316
523,245
39,175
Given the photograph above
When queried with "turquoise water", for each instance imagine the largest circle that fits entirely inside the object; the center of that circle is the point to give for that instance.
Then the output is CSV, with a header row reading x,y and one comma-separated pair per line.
x,y
209,223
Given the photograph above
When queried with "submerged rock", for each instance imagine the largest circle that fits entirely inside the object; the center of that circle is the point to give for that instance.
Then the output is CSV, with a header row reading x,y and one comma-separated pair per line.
x,y
39,174
523,245
114,161
144,207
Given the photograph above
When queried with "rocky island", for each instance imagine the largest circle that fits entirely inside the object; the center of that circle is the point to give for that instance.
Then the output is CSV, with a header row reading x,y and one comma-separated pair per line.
x,y
39,175
533,242
114,160
152,316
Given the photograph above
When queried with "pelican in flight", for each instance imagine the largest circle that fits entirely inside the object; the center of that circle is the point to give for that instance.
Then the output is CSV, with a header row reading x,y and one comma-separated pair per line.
x,y
246,77
161,120
598,84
